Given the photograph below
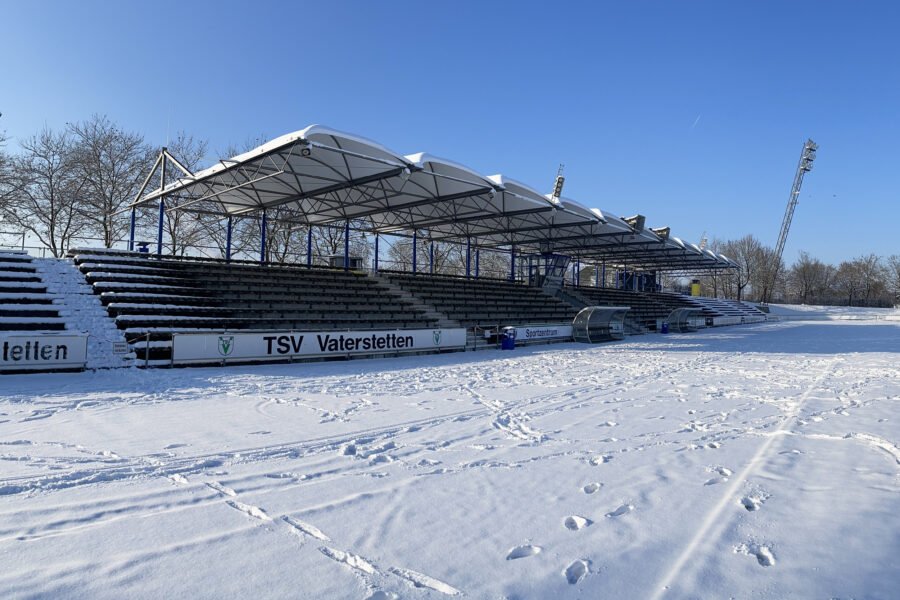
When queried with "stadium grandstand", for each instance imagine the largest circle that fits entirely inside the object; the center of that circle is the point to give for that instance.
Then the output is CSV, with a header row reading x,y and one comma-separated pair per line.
x,y
164,310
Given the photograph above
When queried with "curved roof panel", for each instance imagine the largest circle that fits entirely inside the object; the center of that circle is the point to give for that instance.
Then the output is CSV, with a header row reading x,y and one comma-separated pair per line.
x,y
326,176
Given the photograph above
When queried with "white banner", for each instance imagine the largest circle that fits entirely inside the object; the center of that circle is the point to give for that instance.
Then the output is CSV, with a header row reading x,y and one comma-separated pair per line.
x,y
191,347
535,333
42,351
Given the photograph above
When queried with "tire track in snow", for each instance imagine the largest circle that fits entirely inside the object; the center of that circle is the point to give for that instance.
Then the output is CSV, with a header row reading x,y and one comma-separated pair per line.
x,y
713,524
150,466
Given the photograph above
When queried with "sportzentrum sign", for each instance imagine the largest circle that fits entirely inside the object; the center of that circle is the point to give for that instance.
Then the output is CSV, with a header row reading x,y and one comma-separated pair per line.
x,y
534,333
42,351
226,347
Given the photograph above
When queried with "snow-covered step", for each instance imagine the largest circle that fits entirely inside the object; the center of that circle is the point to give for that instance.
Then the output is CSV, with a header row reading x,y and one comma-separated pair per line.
x,y
164,318
18,266
116,276
81,310
18,275
114,285
26,298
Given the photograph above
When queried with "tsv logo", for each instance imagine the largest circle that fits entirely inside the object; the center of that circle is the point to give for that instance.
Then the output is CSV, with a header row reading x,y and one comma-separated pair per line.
x,y
226,344
436,335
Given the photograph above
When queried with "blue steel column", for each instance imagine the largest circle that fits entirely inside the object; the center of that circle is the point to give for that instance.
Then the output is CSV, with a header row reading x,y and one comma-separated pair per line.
x,y
131,235
468,257
228,240
477,261
309,245
376,252
415,263
512,263
263,226
603,275
431,257
159,226
347,246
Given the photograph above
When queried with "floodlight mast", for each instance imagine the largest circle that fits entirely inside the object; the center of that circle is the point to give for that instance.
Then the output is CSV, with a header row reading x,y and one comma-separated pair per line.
x,y
807,156
558,183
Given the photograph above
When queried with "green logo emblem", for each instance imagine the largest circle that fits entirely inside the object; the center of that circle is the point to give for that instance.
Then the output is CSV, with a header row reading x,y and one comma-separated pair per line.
x,y
437,337
226,344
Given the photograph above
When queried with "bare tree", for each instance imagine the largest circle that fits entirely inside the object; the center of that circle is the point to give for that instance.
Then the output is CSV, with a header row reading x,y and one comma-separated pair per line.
x,y
847,283
448,258
285,235
43,192
892,276
745,252
806,277
6,184
112,163
713,282
184,228
871,277
329,241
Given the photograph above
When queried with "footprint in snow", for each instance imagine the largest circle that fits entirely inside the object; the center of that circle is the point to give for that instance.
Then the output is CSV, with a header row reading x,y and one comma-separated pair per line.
x,y
575,522
225,491
299,527
763,554
599,460
523,551
577,571
753,502
249,510
622,510
716,480
592,488
351,560
381,595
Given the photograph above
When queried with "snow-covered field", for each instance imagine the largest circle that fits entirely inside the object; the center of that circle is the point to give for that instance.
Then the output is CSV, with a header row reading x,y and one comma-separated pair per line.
x,y
750,462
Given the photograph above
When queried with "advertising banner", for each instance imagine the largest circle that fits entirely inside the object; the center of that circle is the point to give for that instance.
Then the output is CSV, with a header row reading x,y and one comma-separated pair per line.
x,y
536,333
21,352
225,347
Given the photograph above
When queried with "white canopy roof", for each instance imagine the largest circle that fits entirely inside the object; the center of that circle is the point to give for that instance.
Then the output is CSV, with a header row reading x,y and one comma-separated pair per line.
x,y
326,177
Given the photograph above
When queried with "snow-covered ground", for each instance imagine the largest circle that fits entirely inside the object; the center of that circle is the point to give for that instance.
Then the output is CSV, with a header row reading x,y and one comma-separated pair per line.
x,y
812,311
751,462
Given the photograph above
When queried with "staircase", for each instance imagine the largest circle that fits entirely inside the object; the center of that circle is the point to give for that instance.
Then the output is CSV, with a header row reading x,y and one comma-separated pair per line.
x,y
81,310
428,310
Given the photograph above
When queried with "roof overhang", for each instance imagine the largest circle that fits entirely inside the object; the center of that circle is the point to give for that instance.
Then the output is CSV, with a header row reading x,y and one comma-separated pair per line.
x,y
322,176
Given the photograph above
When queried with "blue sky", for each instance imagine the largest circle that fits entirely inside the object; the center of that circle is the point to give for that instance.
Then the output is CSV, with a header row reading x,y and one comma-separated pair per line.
x,y
692,113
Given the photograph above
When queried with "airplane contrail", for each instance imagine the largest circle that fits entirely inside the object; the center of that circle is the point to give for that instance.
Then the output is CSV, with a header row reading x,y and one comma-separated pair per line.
x,y
697,120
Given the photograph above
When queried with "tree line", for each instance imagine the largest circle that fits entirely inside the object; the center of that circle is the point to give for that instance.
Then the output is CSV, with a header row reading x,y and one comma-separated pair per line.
x,y
73,187
867,280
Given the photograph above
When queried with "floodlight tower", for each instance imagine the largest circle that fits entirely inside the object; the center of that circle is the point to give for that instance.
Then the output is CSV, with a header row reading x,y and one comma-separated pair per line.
x,y
558,182
807,156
